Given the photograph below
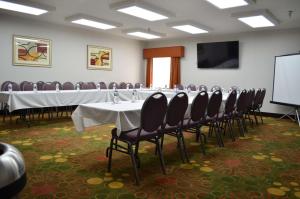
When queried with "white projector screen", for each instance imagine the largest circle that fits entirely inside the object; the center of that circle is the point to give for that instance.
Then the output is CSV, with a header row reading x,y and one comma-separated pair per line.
x,y
286,83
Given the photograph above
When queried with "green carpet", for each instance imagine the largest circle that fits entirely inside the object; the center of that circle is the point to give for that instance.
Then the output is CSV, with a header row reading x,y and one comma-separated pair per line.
x,y
63,164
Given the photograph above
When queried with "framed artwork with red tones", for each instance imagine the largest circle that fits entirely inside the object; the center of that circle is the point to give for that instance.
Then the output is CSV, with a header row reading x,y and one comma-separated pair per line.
x,y
31,51
99,57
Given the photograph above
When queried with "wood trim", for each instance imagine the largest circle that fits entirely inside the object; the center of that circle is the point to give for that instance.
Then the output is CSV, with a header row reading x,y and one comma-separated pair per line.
x,y
173,51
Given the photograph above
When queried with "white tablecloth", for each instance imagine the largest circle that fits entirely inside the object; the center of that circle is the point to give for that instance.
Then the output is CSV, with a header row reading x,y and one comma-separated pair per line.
x,y
125,115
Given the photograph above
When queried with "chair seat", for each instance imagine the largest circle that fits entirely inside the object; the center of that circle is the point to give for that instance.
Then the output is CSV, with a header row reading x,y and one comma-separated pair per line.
x,y
132,135
169,129
187,123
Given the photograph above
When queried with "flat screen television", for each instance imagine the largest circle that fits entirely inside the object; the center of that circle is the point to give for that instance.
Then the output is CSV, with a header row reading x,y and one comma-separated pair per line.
x,y
218,54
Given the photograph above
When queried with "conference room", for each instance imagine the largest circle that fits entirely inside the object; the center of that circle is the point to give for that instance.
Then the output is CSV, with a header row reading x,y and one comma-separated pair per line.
x,y
149,99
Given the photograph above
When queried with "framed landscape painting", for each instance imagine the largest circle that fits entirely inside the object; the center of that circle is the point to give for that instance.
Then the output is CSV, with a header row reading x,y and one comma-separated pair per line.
x,y
31,51
99,58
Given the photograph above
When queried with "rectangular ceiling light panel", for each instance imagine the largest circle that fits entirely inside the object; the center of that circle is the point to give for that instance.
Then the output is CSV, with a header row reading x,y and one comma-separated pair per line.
x,y
143,35
223,4
257,21
93,24
190,29
17,7
142,13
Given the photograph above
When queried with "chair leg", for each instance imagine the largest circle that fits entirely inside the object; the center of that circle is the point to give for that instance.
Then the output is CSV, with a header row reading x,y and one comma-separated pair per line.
x,y
241,128
133,160
162,163
260,116
244,124
136,154
201,142
110,150
220,134
184,147
231,130
179,143
255,117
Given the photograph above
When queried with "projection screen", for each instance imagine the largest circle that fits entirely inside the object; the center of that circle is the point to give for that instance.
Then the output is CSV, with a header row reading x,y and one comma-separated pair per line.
x,y
286,83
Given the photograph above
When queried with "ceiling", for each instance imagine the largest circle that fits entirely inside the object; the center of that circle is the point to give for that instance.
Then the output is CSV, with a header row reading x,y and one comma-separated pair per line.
x,y
199,11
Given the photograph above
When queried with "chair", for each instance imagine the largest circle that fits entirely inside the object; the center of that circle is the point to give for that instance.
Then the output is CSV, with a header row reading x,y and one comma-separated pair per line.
x,y
68,86
40,85
174,121
152,117
27,86
251,96
102,85
192,87
213,116
22,85
241,107
130,86
203,88
197,117
216,88
228,115
179,86
59,84
49,86
257,104
4,87
235,88
84,86
91,85
111,85
122,85
137,85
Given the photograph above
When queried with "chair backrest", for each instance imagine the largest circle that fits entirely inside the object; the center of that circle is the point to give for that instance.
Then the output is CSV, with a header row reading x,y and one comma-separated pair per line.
x,y
40,85
153,112
199,105
215,88
59,84
241,104
122,85
3,85
68,86
27,86
176,109
49,86
214,103
15,86
262,97
230,102
91,85
111,85
102,85
84,86
257,98
251,97
22,85
137,85
130,86
203,88
179,86
192,87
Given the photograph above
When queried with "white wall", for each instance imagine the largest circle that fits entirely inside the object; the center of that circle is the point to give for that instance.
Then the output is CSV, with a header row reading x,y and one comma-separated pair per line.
x,y
69,53
257,51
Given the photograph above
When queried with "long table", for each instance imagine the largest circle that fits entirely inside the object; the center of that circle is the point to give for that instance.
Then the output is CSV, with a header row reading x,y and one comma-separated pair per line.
x,y
125,115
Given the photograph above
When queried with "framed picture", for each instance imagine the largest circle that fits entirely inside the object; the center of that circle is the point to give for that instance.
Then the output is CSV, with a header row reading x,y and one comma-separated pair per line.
x,y
31,51
99,58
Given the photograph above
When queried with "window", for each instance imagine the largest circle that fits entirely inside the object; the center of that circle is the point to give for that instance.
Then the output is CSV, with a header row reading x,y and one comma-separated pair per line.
x,y
161,72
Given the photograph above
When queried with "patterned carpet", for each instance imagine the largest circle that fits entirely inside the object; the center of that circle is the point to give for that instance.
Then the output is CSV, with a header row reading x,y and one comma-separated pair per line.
x,y
63,164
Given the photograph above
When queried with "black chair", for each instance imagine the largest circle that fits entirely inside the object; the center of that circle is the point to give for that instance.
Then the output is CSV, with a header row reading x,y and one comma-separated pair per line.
x,y
59,84
3,85
241,107
22,85
250,101
197,118
151,124
91,85
40,85
174,121
203,88
235,88
122,85
137,85
27,86
216,88
111,85
257,104
102,85
68,86
213,116
130,86
179,86
15,87
192,87
228,114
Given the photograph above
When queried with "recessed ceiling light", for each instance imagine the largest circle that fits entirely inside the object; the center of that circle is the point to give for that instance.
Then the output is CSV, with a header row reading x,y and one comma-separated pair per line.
x,y
143,33
92,22
189,27
27,8
142,10
257,19
223,4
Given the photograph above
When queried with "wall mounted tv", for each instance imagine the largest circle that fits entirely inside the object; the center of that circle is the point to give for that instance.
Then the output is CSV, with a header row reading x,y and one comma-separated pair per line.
x,y
218,54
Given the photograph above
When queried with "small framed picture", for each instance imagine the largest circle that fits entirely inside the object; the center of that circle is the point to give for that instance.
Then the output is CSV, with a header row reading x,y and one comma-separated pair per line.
x,y
31,51
99,57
